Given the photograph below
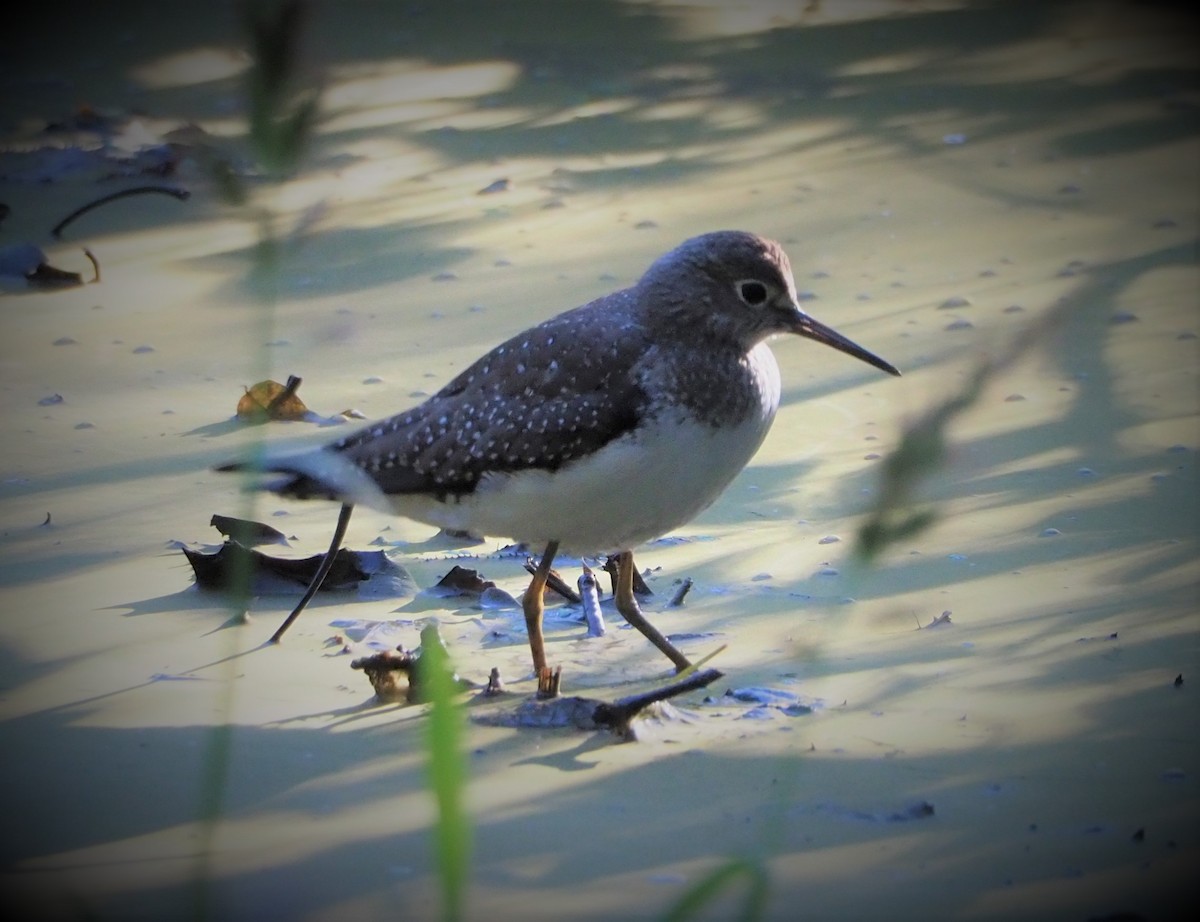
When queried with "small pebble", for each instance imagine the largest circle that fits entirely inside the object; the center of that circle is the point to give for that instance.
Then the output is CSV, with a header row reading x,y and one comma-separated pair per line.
x,y
959,324
499,185
142,350
51,400
1014,398
84,426
445,277
954,302
829,539
65,341
1049,533
1122,317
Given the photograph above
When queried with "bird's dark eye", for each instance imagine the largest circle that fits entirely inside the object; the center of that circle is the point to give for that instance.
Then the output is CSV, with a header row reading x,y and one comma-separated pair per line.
x,y
753,293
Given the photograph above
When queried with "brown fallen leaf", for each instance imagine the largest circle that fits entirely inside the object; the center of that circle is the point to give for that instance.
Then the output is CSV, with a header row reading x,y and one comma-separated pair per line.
x,y
269,400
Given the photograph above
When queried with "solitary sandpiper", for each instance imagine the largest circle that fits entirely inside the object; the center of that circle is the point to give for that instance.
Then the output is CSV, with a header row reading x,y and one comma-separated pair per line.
x,y
599,429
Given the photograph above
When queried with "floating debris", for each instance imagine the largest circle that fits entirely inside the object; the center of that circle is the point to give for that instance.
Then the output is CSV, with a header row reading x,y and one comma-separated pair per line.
x,y
386,670
589,594
370,572
627,718
268,400
685,586
246,532
756,694
499,185
460,582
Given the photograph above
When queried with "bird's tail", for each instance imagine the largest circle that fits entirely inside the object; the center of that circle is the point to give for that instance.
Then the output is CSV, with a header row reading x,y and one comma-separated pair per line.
x,y
319,474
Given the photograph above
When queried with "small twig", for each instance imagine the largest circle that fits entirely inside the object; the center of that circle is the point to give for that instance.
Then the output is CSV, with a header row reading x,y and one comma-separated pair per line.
x,y
684,588
684,673
289,391
590,597
180,194
555,582
95,264
494,684
339,532
639,584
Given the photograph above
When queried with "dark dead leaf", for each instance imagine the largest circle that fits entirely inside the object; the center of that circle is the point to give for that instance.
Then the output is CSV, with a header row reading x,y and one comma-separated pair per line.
x,y
267,574
247,533
462,581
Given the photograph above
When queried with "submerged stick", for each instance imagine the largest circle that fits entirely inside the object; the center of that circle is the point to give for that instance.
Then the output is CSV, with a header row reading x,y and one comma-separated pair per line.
x,y
339,532
180,194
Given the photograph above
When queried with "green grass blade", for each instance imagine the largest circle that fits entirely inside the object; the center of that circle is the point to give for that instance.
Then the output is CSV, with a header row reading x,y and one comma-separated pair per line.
x,y
707,889
447,775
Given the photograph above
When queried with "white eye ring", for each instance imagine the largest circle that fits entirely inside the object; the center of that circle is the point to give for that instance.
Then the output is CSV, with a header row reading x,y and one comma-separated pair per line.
x,y
752,292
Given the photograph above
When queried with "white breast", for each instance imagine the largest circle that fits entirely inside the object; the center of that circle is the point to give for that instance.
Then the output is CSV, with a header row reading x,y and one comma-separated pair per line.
x,y
636,488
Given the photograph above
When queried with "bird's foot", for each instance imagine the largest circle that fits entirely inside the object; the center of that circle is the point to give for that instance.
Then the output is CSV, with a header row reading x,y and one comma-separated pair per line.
x,y
549,681
627,605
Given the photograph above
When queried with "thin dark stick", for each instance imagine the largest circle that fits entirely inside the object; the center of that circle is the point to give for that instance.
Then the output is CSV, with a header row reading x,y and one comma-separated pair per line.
x,y
289,390
339,532
620,712
180,194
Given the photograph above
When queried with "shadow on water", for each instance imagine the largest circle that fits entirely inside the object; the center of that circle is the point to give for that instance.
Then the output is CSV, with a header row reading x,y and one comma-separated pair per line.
x,y
592,82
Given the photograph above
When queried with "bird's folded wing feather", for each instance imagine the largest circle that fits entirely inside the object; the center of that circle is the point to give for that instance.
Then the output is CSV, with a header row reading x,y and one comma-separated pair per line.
x,y
541,400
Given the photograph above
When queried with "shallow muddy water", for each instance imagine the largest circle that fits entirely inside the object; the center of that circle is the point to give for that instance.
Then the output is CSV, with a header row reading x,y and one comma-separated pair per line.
x,y
945,177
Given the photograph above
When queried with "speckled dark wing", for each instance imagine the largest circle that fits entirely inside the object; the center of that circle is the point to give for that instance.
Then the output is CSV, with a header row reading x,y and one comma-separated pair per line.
x,y
540,400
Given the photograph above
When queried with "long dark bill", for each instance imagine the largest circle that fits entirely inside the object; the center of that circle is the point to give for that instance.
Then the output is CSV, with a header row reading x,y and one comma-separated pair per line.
x,y
809,328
